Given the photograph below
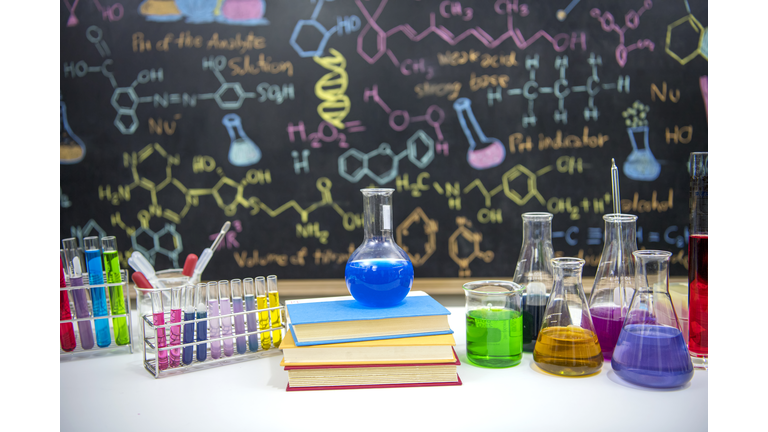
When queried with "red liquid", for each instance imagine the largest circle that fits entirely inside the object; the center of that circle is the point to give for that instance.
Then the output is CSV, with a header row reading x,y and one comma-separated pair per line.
x,y
698,303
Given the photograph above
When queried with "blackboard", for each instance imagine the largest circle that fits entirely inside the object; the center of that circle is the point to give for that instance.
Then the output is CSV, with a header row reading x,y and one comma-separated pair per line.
x,y
180,115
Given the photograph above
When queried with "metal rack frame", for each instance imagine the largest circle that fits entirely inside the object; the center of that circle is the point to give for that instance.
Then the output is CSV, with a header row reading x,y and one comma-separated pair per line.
x,y
113,347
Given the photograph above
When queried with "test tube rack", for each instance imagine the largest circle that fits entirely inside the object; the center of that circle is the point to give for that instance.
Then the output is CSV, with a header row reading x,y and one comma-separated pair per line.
x,y
151,350
113,347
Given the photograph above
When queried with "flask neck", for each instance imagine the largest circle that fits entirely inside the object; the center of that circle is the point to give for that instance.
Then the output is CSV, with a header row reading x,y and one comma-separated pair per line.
x,y
536,231
468,122
377,214
623,230
652,270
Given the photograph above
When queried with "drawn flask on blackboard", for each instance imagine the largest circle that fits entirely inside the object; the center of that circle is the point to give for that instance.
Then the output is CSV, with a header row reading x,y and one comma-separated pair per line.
x,y
71,148
491,152
640,165
242,150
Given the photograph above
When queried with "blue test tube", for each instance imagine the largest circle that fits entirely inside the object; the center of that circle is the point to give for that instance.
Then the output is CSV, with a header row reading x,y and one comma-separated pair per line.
x,y
201,302
98,294
189,329
249,290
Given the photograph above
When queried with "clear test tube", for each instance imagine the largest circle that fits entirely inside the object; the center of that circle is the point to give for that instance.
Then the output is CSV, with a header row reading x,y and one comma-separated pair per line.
x,y
116,297
249,290
176,330
98,295
158,319
201,303
226,322
189,328
237,306
214,323
261,304
275,318
80,296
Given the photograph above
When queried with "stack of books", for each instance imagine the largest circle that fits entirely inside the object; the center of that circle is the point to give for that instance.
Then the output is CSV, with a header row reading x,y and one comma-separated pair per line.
x,y
336,343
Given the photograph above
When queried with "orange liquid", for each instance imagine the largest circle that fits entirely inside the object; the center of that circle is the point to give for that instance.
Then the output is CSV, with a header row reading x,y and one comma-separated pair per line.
x,y
568,351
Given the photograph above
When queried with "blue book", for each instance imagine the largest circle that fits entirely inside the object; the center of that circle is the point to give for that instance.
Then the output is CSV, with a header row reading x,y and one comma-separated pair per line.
x,y
342,319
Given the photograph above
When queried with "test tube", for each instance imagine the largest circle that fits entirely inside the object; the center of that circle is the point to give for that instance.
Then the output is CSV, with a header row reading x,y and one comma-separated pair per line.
x,y
67,330
226,321
237,306
250,304
79,295
261,303
158,319
201,300
276,319
116,298
175,330
213,321
189,329
98,294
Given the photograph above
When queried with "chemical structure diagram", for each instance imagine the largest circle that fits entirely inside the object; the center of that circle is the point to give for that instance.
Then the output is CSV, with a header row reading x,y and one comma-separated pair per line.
x,y
127,109
509,191
703,44
463,232
430,227
411,152
631,21
346,24
560,89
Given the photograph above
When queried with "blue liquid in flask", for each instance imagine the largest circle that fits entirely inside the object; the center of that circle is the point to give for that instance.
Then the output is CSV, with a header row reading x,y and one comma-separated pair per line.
x,y
652,356
379,283
242,150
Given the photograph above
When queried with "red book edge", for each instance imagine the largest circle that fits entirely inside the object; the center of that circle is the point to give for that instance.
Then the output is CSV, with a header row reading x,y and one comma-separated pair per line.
x,y
457,363
352,387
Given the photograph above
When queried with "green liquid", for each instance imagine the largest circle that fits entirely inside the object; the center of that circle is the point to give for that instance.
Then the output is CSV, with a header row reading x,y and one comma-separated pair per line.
x,y
494,337
116,298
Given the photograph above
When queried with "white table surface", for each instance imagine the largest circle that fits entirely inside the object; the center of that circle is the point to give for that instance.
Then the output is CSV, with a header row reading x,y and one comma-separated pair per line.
x,y
116,393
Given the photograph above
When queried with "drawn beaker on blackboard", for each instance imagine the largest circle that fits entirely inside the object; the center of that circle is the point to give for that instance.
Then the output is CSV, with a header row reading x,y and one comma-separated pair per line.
x,y
71,149
243,12
242,150
492,151
641,164
160,10
198,11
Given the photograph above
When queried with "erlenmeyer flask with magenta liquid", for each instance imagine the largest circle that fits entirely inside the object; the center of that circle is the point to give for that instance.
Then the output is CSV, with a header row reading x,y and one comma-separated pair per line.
x,y
378,273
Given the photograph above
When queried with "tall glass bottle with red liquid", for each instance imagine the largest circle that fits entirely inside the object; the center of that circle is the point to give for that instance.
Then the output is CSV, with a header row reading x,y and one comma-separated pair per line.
x,y
614,280
698,287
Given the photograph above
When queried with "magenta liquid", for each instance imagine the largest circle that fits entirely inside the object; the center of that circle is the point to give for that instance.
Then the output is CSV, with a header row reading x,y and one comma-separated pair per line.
x,y
608,321
162,356
215,330
226,326
237,306
175,337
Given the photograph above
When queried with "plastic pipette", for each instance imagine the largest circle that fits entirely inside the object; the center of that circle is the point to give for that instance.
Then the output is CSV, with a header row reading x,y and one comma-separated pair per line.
x,y
207,254
189,265
139,262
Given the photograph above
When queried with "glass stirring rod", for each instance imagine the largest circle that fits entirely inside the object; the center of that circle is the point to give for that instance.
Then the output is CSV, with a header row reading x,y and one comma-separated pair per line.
x,y
80,295
201,300
226,321
213,320
237,307
250,304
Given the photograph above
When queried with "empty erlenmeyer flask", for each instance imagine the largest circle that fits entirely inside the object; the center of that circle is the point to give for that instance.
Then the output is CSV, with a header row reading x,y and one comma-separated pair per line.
x,y
378,273
534,272
567,344
242,150
491,151
614,280
651,350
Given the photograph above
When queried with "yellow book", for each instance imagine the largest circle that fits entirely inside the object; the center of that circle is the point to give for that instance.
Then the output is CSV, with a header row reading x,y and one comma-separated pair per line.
x,y
420,349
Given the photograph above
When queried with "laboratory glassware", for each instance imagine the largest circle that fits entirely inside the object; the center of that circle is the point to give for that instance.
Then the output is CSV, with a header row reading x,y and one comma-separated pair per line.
x,y
484,152
249,291
226,321
274,315
534,272
614,280
237,306
698,259
651,351
378,273
567,344
242,150
214,323
98,294
201,300
80,296
116,302
189,328
494,323
67,330
158,319
176,293
262,303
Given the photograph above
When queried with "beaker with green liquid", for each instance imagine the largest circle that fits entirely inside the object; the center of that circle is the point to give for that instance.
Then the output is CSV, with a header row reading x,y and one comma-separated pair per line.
x,y
494,323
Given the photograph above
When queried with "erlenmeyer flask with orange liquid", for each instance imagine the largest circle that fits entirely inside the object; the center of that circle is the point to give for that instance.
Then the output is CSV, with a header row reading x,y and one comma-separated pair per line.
x,y
567,344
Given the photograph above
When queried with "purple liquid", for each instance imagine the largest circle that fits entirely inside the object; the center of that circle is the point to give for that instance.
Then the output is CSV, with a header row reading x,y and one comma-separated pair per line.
x,y
253,340
608,321
215,330
162,356
81,311
237,306
226,327
175,337
652,356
